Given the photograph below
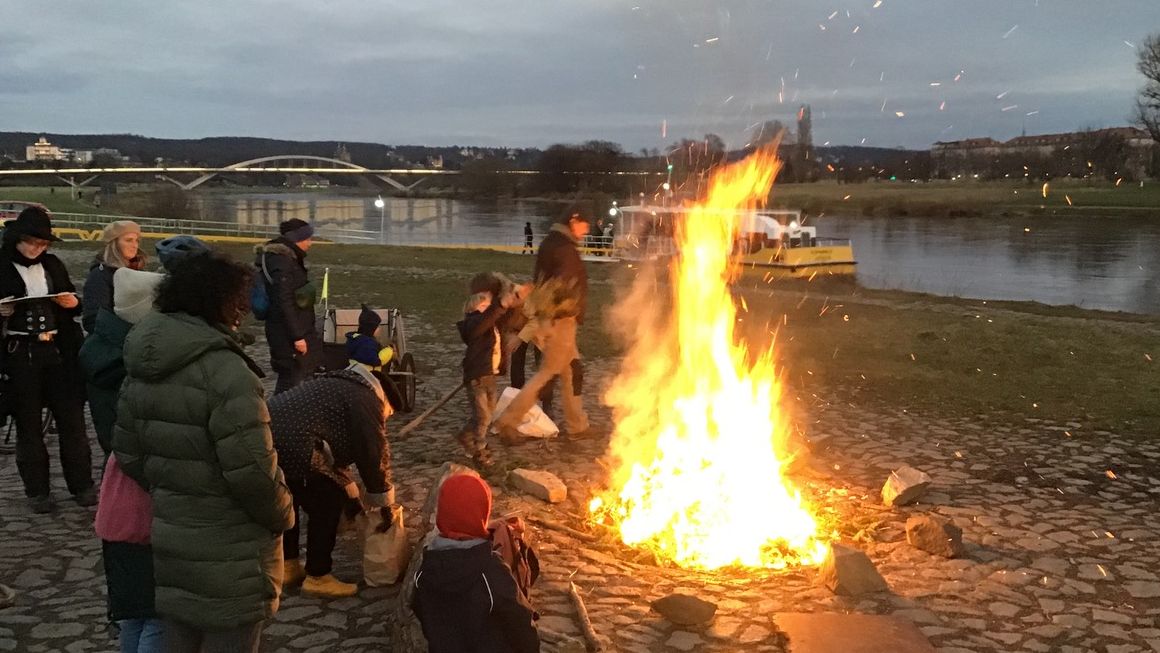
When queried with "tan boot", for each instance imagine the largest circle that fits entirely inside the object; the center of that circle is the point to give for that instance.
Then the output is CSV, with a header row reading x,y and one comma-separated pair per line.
x,y
293,573
328,586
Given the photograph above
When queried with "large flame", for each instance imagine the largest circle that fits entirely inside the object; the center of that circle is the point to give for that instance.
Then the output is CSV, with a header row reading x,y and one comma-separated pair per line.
x,y
698,448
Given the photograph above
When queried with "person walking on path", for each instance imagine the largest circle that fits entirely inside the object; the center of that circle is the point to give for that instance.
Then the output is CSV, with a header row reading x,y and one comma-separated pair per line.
x,y
321,428
529,236
466,598
559,301
122,239
193,429
125,512
41,340
290,329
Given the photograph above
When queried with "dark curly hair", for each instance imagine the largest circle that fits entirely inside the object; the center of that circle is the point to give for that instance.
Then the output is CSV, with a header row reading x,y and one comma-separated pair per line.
x,y
211,286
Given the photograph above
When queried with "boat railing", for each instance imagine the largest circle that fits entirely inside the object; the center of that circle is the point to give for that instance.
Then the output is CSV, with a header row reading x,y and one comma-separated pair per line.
x,y
831,242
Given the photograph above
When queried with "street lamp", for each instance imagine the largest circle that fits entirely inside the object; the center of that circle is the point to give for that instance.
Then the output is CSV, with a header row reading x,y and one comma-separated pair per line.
x,y
382,207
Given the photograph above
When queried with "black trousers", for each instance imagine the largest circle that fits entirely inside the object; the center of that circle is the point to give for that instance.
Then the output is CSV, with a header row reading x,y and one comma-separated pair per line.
x,y
40,379
322,500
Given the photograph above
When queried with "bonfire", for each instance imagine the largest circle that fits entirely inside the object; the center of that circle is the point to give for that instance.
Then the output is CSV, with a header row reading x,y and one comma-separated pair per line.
x,y
699,444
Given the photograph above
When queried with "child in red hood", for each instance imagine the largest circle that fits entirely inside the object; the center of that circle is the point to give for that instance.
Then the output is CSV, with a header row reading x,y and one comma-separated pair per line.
x,y
465,595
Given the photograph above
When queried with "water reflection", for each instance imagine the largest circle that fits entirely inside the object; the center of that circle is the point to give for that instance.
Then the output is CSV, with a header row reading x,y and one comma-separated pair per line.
x,y
409,221
1094,262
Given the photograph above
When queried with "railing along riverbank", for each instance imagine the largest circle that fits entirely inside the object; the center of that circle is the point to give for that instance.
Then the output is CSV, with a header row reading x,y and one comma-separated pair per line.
x,y
87,227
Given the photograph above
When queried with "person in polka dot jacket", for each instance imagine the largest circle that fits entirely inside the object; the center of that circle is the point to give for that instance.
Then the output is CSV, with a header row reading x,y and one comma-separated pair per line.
x,y
321,428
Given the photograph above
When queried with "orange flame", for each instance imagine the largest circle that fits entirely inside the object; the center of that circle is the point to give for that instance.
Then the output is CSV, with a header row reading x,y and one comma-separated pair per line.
x,y
698,448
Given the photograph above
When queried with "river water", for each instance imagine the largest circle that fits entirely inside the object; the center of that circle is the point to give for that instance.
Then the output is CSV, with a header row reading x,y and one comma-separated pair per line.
x,y
1088,261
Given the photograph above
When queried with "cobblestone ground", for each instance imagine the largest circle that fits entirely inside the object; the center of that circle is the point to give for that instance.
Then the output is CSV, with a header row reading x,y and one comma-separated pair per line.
x,y
1060,523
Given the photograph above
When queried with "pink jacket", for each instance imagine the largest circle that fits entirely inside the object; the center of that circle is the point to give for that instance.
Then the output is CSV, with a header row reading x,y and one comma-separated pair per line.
x,y
125,511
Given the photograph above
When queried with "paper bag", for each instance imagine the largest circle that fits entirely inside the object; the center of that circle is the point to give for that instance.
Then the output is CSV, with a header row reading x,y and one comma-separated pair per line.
x,y
385,552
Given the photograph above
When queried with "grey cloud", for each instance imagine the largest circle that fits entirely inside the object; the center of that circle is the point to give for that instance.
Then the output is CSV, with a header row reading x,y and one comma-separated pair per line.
x,y
530,73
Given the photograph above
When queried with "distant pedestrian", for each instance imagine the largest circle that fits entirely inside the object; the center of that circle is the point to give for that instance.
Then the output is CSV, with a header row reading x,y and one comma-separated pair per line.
x,y
560,302
482,362
466,598
122,239
290,329
321,428
529,236
41,339
125,512
193,428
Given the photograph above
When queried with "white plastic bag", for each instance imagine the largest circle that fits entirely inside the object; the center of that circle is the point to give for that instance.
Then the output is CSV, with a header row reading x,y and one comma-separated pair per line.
x,y
536,423
385,552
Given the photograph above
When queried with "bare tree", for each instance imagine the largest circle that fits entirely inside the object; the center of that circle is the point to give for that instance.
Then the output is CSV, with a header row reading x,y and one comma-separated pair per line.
x,y
1148,104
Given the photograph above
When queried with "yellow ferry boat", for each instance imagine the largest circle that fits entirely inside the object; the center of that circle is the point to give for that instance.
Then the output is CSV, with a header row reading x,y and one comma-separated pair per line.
x,y
774,239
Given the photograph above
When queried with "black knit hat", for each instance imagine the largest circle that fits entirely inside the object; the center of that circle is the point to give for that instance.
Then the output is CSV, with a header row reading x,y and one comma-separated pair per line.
x,y
368,321
296,230
33,222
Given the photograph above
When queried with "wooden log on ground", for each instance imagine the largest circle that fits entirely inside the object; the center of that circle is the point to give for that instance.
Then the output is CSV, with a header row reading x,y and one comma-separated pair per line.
x,y
590,637
407,636
560,642
414,424
555,526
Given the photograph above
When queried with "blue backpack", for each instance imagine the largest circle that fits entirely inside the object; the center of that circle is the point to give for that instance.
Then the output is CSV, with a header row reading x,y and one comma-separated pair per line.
x,y
260,292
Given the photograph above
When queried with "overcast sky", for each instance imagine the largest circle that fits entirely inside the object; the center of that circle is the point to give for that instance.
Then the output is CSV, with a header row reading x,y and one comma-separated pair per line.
x,y
533,72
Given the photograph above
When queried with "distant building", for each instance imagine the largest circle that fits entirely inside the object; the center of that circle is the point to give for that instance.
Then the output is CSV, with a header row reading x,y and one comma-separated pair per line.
x,y
42,150
435,162
83,157
974,156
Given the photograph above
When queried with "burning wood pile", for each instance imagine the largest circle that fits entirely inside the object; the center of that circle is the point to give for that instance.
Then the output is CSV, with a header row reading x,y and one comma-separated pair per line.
x,y
700,443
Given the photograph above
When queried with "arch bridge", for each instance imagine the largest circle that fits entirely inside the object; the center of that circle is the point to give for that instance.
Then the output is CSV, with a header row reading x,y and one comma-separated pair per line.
x,y
285,164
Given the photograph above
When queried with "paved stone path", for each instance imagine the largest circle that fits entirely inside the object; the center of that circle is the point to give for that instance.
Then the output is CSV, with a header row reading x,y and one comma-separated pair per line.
x,y
1061,527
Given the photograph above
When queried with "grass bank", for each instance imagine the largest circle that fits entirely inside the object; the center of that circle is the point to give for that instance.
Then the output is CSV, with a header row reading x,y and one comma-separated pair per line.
x,y
905,351
971,198
57,198
881,199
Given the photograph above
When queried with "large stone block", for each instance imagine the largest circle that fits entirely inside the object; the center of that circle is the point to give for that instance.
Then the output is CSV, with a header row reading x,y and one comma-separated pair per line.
x,y
850,572
850,633
935,535
543,485
905,485
685,610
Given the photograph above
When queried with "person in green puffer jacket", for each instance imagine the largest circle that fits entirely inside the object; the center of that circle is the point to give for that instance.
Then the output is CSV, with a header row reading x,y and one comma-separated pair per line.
x,y
193,429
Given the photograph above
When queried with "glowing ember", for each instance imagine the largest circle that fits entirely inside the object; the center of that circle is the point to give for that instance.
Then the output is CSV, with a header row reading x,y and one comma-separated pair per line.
x,y
699,445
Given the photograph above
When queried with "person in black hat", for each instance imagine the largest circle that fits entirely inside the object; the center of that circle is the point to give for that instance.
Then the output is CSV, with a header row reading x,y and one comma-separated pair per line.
x,y
290,330
38,308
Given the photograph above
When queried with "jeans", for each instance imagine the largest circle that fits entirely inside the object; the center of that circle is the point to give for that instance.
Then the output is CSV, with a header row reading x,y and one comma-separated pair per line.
x,y
322,500
481,400
141,635
183,638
